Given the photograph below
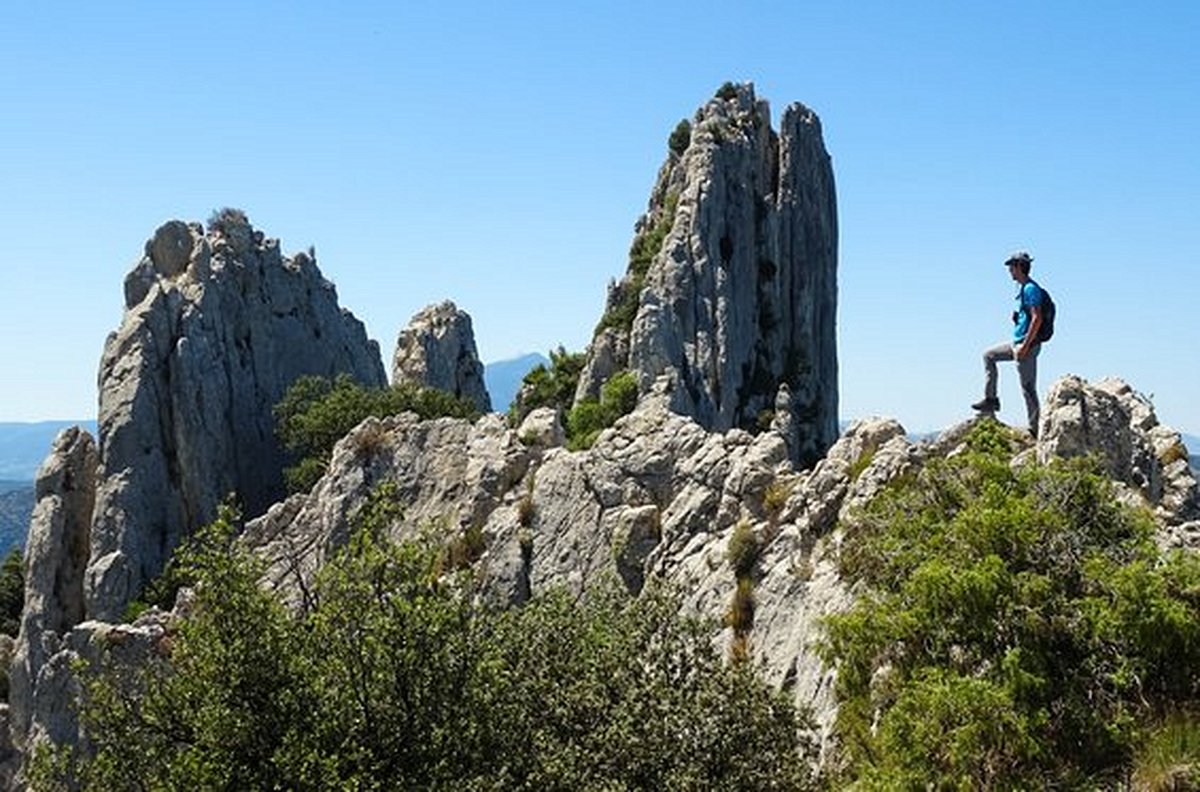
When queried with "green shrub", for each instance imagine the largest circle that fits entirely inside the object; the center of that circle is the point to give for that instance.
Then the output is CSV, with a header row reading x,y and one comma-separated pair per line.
x,y
590,417
727,91
646,245
315,413
226,218
1016,627
743,549
12,591
552,387
399,676
681,138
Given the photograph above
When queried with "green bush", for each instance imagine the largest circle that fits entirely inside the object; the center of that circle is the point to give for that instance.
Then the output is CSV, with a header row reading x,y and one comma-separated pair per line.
x,y
646,245
1018,628
590,417
681,138
727,91
397,676
227,218
743,549
315,413
552,387
12,591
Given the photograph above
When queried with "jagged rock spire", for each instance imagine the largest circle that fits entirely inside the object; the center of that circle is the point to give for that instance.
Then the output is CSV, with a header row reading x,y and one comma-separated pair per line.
x,y
732,286
217,326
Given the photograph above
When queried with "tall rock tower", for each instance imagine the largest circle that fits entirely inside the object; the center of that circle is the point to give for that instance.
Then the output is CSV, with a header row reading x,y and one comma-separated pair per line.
x,y
217,325
731,290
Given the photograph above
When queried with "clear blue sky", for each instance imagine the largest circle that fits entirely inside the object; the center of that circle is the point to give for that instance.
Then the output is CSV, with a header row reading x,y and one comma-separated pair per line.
x,y
499,154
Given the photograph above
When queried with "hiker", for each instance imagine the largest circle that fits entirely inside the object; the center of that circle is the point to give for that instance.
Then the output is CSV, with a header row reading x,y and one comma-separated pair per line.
x,y
1025,344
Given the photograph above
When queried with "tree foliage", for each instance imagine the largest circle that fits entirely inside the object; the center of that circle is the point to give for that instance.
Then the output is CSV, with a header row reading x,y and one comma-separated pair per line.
x,y
398,677
12,591
590,417
317,412
552,387
1018,628
680,138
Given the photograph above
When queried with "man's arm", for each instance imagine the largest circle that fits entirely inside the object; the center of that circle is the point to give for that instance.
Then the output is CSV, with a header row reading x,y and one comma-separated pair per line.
x,y
1035,325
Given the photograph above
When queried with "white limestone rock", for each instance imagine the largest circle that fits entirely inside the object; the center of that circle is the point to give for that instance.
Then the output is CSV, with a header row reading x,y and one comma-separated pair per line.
x,y
741,298
437,350
1111,420
217,327
56,553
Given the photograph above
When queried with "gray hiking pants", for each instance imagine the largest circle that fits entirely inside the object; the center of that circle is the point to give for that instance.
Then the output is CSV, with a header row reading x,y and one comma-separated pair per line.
x,y
1026,369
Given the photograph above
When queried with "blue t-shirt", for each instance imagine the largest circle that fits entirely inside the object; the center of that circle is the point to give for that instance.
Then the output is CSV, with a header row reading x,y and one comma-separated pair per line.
x,y
1029,296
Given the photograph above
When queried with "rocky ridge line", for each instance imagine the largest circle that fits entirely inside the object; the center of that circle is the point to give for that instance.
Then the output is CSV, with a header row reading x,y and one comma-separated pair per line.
x,y
660,497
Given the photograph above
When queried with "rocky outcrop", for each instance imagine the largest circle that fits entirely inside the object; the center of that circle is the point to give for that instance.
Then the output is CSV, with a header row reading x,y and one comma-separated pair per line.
x,y
656,497
732,286
56,554
1112,422
216,327
448,475
437,350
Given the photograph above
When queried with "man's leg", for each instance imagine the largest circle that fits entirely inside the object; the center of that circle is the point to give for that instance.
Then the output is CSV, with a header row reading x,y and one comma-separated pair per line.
x,y
990,358
1027,369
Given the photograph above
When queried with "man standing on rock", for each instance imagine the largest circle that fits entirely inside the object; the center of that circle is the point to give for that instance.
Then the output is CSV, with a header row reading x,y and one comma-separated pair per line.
x,y
1024,347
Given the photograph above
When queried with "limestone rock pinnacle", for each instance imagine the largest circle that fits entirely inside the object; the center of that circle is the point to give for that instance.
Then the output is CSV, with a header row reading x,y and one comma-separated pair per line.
x,y
217,326
732,284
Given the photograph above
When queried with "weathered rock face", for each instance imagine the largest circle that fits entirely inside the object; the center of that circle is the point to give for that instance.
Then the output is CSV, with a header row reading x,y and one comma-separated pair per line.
x,y
216,328
437,350
657,496
1112,421
56,554
740,295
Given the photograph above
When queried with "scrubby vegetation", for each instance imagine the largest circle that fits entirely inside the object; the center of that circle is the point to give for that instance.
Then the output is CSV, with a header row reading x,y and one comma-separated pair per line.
x,y
317,412
554,387
742,553
226,218
645,247
12,591
681,138
398,677
1018,629
590,417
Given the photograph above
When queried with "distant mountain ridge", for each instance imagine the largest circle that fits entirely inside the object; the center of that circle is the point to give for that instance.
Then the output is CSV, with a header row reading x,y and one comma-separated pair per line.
x,y
503,377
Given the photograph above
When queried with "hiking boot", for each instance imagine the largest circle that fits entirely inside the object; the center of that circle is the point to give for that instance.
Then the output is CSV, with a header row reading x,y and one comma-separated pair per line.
x,y
987,405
